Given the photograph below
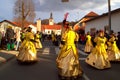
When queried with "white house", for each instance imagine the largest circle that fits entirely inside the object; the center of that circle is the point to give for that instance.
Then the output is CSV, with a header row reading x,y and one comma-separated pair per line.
x,y
81,25
102,22
47,29
5,23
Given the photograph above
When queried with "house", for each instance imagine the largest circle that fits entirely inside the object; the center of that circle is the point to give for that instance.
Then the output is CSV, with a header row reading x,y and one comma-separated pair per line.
x,y
5,23
81,25
102,22
50,27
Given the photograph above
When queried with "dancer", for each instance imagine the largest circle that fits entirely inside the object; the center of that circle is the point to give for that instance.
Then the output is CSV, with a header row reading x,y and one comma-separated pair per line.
x,y
113,51
98,58
68,59
9,35
27,50
88,45
38,43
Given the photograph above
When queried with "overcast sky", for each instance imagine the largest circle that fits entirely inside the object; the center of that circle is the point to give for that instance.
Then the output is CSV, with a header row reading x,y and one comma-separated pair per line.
x,y
76,8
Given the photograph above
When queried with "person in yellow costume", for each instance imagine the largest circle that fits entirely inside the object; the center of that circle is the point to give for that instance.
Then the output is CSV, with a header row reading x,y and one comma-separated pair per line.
x,y
27,50
88,45
38,44
113,51
98,58
68,58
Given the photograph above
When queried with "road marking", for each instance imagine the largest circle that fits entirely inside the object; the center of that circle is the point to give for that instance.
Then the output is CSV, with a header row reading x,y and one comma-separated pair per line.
x,y
46,51
85,77
57,50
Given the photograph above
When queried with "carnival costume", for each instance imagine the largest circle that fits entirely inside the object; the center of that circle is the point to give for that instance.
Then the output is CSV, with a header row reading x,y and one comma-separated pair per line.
x,y
27,50
113,51
38,44
88,46
98,58
68,59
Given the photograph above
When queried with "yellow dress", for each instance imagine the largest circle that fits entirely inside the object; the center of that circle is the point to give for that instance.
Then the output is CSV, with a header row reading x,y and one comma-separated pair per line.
x,y
68,59
38,44
27,50
98,58
88,45
113,51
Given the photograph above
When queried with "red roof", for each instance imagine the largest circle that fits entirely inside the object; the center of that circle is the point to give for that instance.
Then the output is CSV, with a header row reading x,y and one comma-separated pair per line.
x,y
51,27
9,22
91,14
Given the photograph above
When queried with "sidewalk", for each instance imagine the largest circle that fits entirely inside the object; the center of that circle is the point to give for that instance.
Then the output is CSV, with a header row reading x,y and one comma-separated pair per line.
x,y
7,55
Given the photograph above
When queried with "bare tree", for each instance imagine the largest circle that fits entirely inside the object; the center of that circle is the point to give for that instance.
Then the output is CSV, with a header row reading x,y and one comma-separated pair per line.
x,y
24,11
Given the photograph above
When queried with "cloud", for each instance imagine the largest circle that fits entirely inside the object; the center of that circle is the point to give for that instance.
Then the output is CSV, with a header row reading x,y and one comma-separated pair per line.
x,y
76,8
6,7
115,4
57,5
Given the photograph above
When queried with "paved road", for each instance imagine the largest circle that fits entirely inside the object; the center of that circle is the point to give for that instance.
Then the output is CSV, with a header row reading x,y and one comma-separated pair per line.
x,y
45,68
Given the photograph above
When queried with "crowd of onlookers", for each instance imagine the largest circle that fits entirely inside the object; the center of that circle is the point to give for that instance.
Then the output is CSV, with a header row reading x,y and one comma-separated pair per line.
x,y
12,39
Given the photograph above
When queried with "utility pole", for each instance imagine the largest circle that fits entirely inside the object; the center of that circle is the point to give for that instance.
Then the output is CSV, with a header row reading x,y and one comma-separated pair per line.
x,y
109,16
22,14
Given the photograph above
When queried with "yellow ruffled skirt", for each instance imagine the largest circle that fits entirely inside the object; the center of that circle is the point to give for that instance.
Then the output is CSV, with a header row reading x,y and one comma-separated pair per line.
x,y
88,46
38,44
113,53
27,52
67,63
98,58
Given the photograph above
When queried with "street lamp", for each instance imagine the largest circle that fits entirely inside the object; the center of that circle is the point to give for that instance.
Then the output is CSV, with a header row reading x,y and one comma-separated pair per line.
x,y
109,16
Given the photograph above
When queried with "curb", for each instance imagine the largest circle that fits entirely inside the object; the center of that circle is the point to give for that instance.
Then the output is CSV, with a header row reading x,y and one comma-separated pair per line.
x,y
6,56
6,60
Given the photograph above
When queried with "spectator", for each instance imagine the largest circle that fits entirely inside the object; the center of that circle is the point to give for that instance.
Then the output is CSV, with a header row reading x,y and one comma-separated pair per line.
x,y
9,36
17,36
118,41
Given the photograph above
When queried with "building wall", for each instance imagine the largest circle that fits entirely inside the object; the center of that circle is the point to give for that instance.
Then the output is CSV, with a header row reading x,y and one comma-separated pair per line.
x,y
51,22
49,32
115,25
4,25
39,25
101,22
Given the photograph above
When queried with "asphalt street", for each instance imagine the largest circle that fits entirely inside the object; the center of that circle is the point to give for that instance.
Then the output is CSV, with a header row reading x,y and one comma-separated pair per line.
x,y
45,68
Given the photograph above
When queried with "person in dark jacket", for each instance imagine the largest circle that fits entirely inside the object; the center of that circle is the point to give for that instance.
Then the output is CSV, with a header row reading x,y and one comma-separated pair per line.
x,y
9,35
118,41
